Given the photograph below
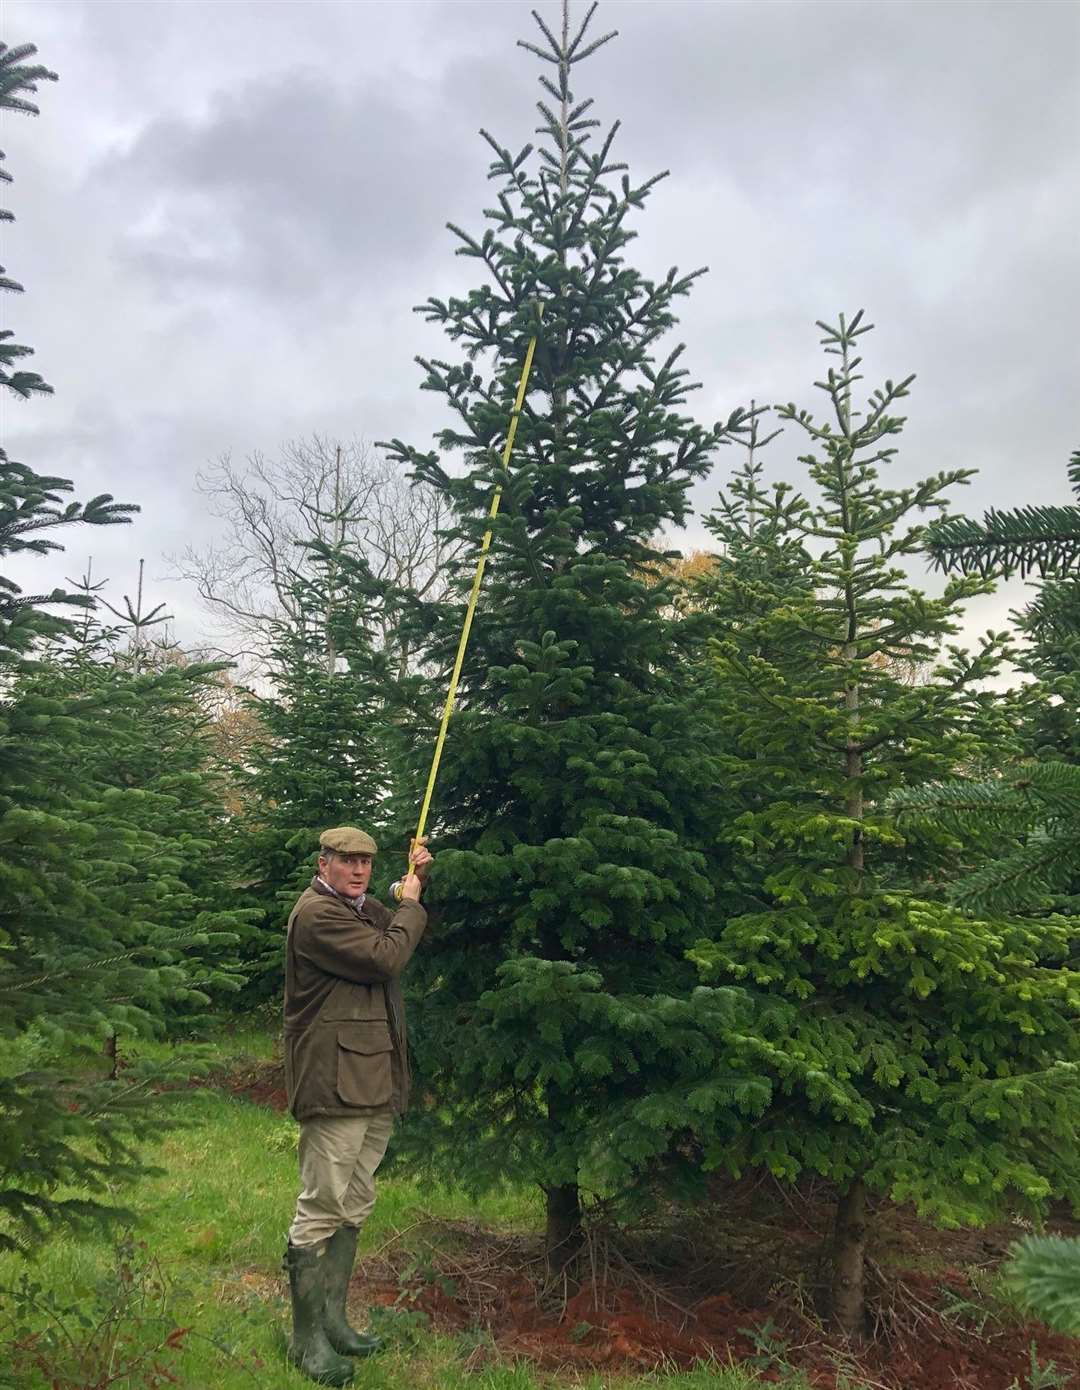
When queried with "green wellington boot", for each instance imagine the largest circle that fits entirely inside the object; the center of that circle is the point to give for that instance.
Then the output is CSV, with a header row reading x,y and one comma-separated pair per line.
x,y
340,1257
310,1350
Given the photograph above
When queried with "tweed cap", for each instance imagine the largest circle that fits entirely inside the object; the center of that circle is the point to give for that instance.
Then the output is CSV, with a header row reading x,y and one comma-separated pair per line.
x,y
347,839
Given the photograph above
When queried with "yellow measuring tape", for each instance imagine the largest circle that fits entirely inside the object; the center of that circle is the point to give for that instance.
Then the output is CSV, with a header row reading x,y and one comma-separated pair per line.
x,y
451,694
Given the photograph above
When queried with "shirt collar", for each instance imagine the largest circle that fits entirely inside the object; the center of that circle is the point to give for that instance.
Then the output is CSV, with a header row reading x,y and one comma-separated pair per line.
x,y
321,884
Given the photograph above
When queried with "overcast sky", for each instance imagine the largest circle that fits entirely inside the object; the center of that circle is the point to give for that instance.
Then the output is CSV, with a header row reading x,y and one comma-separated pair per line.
x,y
226,211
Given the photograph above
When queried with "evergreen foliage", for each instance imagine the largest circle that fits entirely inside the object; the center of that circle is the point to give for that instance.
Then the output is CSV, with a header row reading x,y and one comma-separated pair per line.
x,y
113,910
1024,823
1045,1271
578,779
18,80
30,504
1049,722
327,730
1050,702
910,1050
1020,827
102,813
1045,540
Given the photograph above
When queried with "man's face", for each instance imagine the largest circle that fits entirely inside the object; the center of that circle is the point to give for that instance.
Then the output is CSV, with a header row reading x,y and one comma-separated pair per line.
x,y
348,874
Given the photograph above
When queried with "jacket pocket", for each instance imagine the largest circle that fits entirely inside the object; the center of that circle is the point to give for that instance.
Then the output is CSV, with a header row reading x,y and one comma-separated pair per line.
x,y
364,1052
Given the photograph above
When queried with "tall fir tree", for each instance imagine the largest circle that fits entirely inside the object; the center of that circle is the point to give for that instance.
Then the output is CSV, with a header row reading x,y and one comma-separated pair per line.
x,y
577,785
913,1052
155,763
32,504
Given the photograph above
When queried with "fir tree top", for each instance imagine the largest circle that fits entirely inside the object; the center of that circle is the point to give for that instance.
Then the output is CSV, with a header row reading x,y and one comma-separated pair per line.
x,y
604,455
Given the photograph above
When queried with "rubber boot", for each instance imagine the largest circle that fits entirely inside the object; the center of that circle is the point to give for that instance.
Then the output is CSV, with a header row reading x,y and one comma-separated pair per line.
x,y
310,1350
340,1258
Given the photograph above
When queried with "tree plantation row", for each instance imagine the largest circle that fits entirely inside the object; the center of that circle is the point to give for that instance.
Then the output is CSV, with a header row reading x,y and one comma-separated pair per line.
x,y
741,863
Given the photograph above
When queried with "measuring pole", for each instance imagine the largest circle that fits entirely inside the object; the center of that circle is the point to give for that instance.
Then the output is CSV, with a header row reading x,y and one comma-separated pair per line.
x,y
485,544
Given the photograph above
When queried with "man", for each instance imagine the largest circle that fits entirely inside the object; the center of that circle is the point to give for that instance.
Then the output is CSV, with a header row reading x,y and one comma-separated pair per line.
x,y
347,1075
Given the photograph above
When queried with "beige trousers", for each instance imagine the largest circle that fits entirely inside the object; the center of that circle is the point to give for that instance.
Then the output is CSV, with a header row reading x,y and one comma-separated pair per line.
x,y
338,1158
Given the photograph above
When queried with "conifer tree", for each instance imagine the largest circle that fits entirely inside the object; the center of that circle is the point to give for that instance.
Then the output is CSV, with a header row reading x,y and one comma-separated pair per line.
x,y
87,947
18,82
577,784
912,1051
154,756
114,916
323,757
31,504
1028,821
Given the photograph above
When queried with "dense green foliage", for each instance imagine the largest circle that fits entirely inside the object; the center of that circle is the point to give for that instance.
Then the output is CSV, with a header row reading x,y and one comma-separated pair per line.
x,y
1024,823
108,889
754,871
1045,1271
578,798
912,1050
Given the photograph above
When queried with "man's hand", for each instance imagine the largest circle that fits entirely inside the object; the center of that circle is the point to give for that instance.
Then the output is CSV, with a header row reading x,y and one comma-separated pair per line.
x,y
410,889
420,860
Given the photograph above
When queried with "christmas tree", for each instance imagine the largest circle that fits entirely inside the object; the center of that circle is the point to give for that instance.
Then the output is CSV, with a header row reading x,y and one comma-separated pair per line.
x,y
578,785
913,1052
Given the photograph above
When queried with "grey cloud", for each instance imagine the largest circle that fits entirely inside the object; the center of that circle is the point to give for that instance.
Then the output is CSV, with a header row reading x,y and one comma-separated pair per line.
x,y
228,210
289,187
931,106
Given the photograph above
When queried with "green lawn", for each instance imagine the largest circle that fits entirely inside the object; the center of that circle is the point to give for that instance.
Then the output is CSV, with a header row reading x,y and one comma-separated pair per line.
x,y
214,1223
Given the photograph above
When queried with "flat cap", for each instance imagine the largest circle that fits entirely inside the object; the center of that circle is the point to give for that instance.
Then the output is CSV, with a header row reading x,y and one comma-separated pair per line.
x,y
347,839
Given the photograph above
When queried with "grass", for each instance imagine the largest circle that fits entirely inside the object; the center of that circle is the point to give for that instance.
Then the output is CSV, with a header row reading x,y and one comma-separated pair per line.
x,y
207,1258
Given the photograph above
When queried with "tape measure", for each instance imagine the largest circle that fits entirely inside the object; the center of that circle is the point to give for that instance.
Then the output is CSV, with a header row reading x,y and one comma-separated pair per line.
x,y
485,545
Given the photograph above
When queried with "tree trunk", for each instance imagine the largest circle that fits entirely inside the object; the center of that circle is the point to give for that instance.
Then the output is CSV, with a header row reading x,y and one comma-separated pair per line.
x,y
848,1303
110,1054
563,1237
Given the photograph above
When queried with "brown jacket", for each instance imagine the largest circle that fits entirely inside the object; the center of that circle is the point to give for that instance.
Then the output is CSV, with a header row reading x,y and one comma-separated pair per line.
x,y
346,1047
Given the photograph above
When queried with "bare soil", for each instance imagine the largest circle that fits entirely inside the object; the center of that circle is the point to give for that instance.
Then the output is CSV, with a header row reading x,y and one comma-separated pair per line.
x,y
740,1279
931,1331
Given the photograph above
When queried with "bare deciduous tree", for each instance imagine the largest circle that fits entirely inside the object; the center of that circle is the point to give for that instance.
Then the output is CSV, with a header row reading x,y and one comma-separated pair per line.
x,y
315,489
